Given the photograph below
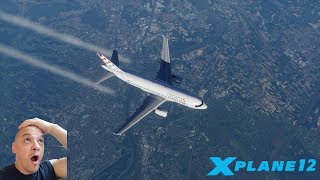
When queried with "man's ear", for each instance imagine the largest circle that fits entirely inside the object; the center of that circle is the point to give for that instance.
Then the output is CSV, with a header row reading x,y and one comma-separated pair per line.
x,y
13,147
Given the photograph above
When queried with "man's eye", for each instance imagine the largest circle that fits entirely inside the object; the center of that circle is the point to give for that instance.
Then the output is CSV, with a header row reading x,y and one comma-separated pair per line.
x,y
41,141
27,140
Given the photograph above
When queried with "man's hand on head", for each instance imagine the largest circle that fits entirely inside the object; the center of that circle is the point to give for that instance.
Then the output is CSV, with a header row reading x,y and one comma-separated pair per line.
x,y
48,128
43,125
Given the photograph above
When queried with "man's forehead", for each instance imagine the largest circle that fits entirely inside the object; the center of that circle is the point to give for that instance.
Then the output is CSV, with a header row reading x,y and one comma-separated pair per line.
x,y
29,130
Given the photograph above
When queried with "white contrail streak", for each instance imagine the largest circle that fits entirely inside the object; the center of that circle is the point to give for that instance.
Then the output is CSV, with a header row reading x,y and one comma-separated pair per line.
x,y
52,68
25,23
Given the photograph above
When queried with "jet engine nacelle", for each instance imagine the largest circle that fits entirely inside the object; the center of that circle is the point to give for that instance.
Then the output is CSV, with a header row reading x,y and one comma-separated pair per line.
x,y
161,112
177,79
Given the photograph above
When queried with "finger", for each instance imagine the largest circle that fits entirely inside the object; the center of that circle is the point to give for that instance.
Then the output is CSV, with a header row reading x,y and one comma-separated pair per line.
x,y
26,123
22,125
38,119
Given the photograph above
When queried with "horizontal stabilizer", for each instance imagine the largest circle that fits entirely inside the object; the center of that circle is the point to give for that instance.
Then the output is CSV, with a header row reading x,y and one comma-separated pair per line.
x,y
177,79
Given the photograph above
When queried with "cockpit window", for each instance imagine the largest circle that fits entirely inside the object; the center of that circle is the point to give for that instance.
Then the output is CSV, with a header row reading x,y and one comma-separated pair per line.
x,y
200,104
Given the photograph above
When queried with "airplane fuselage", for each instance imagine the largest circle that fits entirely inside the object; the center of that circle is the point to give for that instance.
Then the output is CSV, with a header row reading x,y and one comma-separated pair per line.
x,y
155,87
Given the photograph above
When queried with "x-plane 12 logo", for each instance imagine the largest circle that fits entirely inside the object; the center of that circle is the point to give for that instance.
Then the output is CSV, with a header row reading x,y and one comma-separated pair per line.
x,y
223,166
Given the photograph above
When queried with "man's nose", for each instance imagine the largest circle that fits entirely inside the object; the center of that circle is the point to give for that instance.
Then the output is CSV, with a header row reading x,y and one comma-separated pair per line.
x,y
36,146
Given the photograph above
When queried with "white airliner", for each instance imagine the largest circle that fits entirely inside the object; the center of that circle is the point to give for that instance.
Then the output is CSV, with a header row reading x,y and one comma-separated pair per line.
x,y
160,89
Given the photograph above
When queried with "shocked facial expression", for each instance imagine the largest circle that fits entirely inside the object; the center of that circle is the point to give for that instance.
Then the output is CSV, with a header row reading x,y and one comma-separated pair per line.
x,y
29,149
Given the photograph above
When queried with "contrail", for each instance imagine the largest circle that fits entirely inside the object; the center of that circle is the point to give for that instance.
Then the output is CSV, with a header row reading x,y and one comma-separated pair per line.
x,y
25,23
53,69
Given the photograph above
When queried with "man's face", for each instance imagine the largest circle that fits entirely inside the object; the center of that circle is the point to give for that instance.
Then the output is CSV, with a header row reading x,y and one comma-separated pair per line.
x,y
29,148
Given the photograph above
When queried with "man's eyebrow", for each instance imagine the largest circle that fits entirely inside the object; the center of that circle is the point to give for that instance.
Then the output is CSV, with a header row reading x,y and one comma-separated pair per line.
x,y
27,134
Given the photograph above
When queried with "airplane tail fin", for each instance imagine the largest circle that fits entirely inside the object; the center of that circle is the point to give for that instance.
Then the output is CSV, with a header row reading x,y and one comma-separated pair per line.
x,y
165,55
164,74
109,65
115,58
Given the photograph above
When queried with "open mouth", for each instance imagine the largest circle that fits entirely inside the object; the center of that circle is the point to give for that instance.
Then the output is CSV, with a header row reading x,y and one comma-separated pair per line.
x,y
34,158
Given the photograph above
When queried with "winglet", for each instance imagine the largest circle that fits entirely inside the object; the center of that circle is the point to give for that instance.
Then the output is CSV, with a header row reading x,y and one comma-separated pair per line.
x,y
116,134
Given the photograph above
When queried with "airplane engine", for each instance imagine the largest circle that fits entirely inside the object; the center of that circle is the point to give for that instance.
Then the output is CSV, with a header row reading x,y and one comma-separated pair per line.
x,y
161,112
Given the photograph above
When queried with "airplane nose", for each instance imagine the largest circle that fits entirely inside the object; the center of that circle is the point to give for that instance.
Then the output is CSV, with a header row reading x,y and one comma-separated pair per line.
x,y
201,106
204,106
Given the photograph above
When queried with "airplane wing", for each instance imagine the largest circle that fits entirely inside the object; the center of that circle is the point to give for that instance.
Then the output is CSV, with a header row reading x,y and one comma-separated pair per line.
x,y
150,103
164,73
105,77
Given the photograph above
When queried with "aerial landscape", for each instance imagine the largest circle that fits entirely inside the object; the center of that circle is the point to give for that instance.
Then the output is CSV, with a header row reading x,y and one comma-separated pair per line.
x,y
256,64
